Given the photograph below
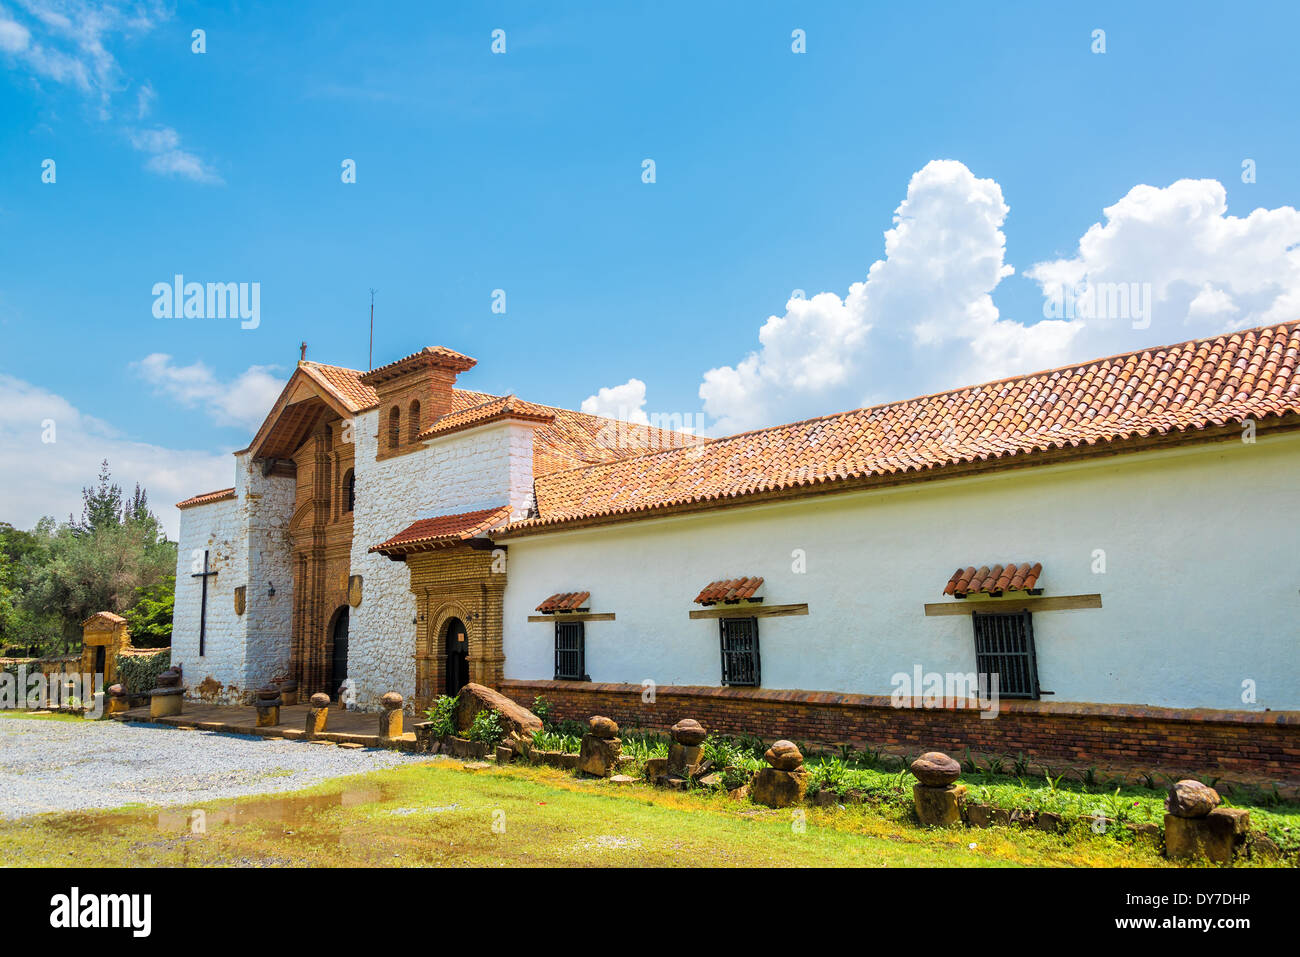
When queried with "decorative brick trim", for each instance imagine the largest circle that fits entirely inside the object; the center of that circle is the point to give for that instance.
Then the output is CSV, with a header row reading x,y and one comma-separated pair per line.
x,y
1252,744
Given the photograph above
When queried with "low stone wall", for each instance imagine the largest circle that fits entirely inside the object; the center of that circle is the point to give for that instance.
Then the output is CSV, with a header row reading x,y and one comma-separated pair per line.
x,y
1244,745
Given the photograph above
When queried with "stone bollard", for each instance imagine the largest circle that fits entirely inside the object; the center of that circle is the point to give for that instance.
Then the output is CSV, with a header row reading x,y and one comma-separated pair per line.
x,y
684,752
390,719
937,796
267,703
601,747
167,698
288,692
785,782
117,700
317,714
1196,827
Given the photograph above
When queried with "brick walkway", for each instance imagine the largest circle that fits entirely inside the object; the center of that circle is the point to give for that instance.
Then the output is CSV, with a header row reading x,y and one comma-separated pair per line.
x,y
342,726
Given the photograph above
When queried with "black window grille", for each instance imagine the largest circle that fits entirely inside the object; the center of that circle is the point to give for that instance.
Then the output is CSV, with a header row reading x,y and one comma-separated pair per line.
x,y
1004,645
570,663
740,664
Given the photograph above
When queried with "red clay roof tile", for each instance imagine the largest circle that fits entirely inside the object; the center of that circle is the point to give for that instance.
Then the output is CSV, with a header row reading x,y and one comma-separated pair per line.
x,y
207,498
728,589
442,530
993,581
564,601
1111,401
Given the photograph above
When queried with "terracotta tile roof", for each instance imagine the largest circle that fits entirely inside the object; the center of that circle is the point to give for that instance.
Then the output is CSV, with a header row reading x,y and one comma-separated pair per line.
x,y
564,601
442,530
994,580
1118,402
493,410
439,357
570,440
730,589
207,498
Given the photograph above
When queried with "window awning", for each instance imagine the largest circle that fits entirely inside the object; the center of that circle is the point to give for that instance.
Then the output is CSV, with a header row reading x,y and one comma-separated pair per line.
x,y
728,590
442,531
564,601
994,580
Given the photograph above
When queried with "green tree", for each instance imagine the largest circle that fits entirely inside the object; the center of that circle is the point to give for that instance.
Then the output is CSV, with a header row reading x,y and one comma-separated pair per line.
x,y
150,620
113,559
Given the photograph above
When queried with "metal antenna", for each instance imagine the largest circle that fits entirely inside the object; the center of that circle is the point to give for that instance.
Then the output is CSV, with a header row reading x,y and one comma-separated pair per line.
x,y
370,362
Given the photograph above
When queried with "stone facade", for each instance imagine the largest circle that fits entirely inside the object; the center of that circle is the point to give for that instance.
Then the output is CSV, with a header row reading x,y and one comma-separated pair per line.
x,y
246,537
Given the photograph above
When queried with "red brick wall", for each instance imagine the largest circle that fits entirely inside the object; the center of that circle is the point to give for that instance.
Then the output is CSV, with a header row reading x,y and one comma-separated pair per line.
x,y
1240,744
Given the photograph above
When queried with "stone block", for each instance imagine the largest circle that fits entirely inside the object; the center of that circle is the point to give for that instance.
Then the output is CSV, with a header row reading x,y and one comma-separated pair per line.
x,y
682,758
317,719
939,807
776,788
514,716
599,756
655,768
268,717
1214,837
165,705
118,705
986,815
390,724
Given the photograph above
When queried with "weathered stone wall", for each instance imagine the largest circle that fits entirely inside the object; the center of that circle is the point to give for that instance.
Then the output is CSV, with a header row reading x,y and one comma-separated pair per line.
x,y
462,472
269,629
221,528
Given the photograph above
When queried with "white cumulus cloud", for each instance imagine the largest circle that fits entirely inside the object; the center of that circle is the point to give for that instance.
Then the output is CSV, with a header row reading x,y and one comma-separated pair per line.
x,y
41,477
924,318
242,401
625,402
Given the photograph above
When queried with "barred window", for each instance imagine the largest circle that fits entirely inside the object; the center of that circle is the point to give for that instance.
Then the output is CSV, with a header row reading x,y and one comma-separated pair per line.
x,y
570,658
1004,645
740,664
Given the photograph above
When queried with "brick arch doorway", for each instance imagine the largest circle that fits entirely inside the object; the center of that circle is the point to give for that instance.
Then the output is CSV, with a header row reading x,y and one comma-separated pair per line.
x,y
338,645
455,643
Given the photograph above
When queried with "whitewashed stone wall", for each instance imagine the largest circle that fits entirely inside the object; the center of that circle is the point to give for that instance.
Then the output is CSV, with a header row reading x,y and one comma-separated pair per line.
x,y
462,472
247,541
1199,589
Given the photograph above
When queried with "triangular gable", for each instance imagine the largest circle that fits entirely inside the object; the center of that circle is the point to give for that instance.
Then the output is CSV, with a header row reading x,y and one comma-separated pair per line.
x,y
300,402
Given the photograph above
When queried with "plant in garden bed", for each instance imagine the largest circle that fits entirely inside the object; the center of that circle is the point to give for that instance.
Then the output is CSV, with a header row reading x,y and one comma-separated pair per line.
x,y
542,708
443,715
555,741
486,727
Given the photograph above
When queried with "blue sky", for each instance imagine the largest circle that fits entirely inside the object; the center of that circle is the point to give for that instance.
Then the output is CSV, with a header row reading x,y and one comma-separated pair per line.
x,y
522,171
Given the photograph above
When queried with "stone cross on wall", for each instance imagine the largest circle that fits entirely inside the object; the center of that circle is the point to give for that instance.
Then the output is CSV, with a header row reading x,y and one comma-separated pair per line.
x,y
203,607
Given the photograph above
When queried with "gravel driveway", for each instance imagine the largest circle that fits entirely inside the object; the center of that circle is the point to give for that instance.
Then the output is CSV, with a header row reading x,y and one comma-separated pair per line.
x,y
75,765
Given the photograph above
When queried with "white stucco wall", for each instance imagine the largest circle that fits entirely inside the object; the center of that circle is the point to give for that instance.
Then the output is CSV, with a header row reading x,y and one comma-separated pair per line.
x,y
247,541
462,472
1199,594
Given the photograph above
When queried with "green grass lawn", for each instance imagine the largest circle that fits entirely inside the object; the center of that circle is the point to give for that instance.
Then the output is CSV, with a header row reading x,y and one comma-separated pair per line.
x,y
51,716
442,814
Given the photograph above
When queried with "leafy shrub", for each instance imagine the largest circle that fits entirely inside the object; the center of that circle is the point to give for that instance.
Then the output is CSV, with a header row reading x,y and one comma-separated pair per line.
x,y
554,741
486,727
443,715
831,774
138,674
542,708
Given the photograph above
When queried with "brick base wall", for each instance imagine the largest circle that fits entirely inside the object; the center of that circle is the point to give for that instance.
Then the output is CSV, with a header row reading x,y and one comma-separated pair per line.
x,y
1245,745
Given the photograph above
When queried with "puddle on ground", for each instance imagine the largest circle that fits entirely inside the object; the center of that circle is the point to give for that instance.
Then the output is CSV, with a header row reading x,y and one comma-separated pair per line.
x,y
289,811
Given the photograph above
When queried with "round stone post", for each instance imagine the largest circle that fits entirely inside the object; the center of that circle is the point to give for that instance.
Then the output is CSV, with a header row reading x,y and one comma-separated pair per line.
x,y
166,699
1196,827
390,719
937,796
117,700
268,706
317,713
601,747
785,782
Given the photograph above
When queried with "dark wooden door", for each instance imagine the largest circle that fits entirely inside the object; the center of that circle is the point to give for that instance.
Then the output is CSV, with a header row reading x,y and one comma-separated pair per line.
x,y
457,657
339,661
